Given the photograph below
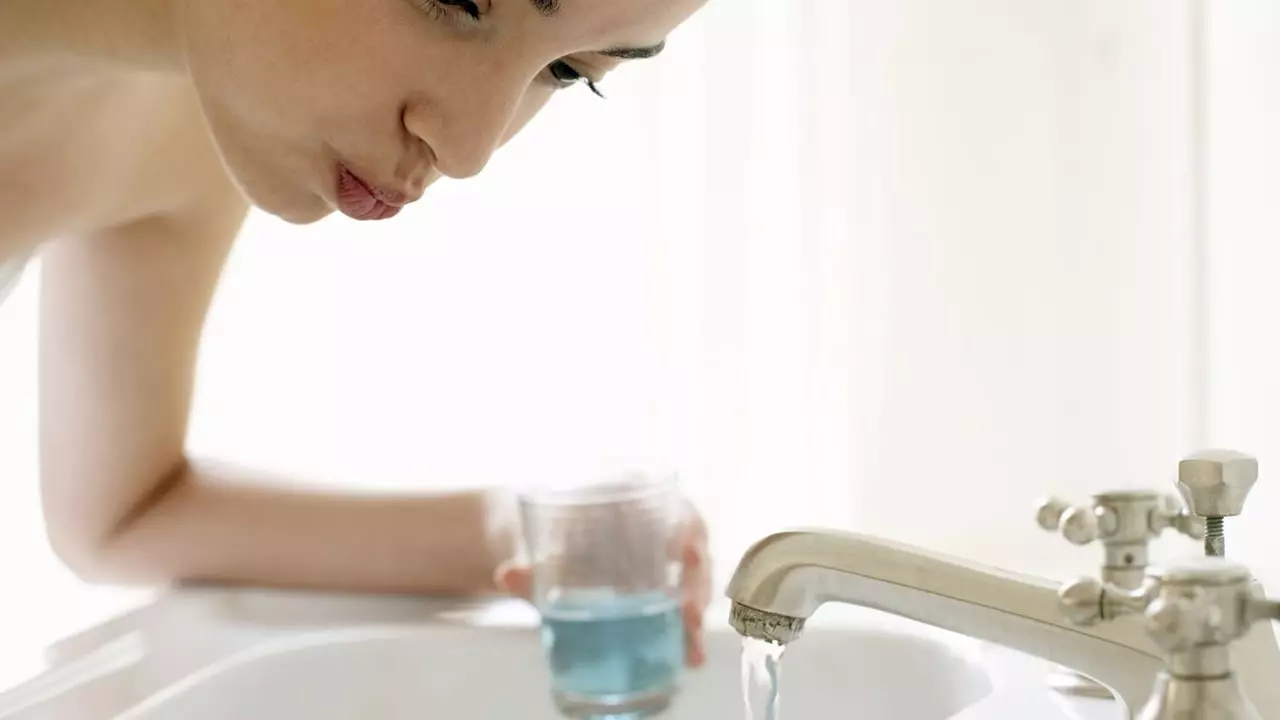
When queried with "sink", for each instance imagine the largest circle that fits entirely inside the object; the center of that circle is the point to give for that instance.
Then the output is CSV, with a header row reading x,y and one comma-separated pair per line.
x,y
211,654
456,671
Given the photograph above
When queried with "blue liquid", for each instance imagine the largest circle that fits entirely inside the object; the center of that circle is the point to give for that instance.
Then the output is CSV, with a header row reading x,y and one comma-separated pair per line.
x,y
616,648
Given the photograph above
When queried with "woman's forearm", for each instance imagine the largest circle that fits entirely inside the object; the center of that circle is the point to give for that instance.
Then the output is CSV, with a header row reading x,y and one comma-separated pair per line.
x,y
215,524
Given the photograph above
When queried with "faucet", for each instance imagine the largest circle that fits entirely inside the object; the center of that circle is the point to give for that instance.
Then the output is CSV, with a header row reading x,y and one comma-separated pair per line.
x,y
785,577
1124,523
1209,615
1185,641
1214,627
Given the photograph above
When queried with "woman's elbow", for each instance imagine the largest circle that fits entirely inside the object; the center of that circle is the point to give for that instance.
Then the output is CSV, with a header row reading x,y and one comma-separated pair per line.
x,y
90,521
79,552
81,542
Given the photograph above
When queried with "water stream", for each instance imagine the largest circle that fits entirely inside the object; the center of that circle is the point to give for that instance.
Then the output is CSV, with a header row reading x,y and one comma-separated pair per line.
x,y
760,666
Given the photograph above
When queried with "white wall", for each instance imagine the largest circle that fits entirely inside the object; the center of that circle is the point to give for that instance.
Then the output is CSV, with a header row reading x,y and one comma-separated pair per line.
x,y
1243,85
1036,249
900,267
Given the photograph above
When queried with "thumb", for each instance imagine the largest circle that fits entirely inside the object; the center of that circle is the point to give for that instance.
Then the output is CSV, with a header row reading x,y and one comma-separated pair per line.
x,y
514,579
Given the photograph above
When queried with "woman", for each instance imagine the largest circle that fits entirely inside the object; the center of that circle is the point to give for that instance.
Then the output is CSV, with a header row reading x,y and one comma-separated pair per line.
x,y
138,133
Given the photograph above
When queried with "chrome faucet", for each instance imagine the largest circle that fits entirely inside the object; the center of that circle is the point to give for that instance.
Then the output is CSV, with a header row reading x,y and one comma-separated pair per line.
x,y
1204,613
1124,523
1198,611
1190,641
784,578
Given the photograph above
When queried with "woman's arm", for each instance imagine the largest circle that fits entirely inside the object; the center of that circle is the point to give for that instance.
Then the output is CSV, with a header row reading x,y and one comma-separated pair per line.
x,y
121,319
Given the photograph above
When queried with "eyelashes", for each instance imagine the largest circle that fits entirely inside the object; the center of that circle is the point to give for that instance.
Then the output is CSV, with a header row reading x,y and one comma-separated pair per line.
x,y
441,8
565,75
561,73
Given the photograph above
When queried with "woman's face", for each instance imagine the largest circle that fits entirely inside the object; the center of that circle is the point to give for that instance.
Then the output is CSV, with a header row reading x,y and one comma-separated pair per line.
x,y
358,105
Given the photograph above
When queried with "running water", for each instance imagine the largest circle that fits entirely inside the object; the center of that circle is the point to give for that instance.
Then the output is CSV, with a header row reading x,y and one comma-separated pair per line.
x,y
760,661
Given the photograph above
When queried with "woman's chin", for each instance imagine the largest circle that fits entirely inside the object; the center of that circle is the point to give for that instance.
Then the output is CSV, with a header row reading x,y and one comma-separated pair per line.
x,y
295,209
295,216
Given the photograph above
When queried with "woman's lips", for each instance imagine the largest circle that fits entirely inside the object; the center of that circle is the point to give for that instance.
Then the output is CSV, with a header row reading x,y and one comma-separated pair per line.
x,y
358,201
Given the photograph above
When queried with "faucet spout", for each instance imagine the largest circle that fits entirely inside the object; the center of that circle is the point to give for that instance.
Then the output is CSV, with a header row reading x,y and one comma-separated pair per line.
x,y
785,577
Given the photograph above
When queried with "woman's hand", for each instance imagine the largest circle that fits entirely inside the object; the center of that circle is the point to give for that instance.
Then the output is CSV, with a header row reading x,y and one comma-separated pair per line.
x,y
516,579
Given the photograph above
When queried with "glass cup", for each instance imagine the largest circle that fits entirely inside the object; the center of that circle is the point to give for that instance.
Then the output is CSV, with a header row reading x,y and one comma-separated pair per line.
x,y
605,559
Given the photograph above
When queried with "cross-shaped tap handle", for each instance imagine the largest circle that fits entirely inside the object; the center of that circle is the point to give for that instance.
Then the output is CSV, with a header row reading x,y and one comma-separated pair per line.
x,y
1125,522
1121,516
1079,525
1089,601
1189,604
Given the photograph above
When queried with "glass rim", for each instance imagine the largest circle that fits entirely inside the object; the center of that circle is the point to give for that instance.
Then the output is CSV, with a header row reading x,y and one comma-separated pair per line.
x,y
604,488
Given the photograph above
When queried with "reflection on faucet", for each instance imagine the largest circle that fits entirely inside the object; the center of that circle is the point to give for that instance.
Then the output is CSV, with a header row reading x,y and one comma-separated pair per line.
x,y
784,578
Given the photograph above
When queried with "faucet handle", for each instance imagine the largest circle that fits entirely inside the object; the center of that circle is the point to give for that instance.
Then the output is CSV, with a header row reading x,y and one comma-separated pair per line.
x,y
1122,516
1049,512
1125,522
1079,525
1190,603
1257,609
1088,601
1173,514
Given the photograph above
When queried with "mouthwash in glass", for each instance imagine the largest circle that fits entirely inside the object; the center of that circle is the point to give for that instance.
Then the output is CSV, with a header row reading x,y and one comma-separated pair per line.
x,y
614,656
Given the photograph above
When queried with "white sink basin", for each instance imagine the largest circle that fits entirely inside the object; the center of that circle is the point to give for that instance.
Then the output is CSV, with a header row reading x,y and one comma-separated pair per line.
x,y
223,654
457,671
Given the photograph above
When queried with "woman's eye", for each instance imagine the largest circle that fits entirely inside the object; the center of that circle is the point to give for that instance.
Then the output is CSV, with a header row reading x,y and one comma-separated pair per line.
x,y
565,76
564,73
443,7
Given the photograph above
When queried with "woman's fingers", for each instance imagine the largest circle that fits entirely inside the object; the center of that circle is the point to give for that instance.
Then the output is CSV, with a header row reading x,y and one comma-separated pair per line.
x,y
695,653
514,579
517,580
696,592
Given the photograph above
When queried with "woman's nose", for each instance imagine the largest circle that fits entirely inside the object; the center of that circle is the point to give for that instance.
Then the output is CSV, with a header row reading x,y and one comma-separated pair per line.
x,y
465,125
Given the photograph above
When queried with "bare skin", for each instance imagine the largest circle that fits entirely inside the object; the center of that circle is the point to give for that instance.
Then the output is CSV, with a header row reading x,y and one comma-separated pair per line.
x,y
136,134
